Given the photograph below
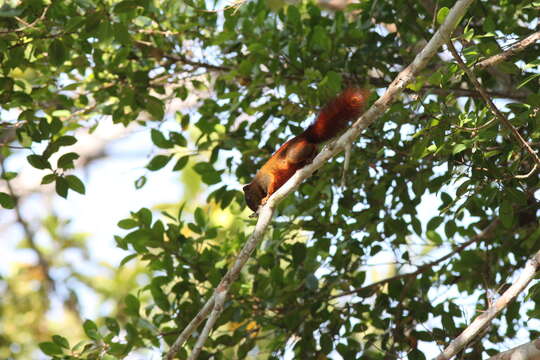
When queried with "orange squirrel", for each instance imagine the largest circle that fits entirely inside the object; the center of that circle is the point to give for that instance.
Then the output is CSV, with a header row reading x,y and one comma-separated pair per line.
x,y
302,149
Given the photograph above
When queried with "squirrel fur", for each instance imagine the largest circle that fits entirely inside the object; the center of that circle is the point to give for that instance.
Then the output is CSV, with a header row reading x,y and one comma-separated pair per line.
x,y
302,149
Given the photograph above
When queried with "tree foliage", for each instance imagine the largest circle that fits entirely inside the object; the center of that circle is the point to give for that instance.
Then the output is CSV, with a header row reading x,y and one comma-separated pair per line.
x,y
431,174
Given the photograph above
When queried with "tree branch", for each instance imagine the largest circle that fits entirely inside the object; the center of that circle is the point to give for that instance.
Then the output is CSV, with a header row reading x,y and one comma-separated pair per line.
x,y
513,50
376,110
528,351
498,114
221,295
476,327
26,25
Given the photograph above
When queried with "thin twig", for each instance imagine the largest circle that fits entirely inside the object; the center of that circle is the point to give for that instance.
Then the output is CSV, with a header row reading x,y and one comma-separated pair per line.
x,y
483,235
476,327
26,25
513,50
524,176
489,123
375,111
490,103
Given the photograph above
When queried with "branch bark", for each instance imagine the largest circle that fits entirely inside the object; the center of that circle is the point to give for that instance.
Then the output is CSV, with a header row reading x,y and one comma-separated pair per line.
x,y
528,351
513,50
377,109
476,327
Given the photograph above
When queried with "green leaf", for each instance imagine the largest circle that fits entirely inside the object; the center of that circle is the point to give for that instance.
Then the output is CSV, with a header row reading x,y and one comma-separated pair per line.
x,y
458,148
529,78
434,237
178,139
132,305
61,187
506,213
293,17
158,162
320,42
140,182
159,297
127,224
9,175
121,33
66,161
155,107
75,184
331,83
416,354
208,174
47,179
181,163
145,217
57,52
61,341
6,201
112,325
39,162
441,14
50,348
199,217
127,259
159,139
65,140
91,330
434,223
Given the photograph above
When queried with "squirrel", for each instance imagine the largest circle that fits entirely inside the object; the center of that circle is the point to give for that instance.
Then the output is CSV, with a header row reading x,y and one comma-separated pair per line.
x,y
302,149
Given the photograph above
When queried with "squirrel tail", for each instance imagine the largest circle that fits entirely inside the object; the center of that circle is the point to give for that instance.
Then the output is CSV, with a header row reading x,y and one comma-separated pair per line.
x,y
334,117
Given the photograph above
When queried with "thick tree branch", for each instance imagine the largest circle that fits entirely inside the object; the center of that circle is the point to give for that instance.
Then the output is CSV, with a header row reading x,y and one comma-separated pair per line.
x,y
483,235
498,114
377,109
528,351
513,50
476,327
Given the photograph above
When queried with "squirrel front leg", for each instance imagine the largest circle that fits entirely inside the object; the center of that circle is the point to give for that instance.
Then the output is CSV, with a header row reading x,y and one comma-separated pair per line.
x,y
272,188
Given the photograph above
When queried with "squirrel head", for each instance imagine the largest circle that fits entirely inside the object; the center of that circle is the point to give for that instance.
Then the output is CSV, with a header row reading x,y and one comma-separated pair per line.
x,y
254,195
356,98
